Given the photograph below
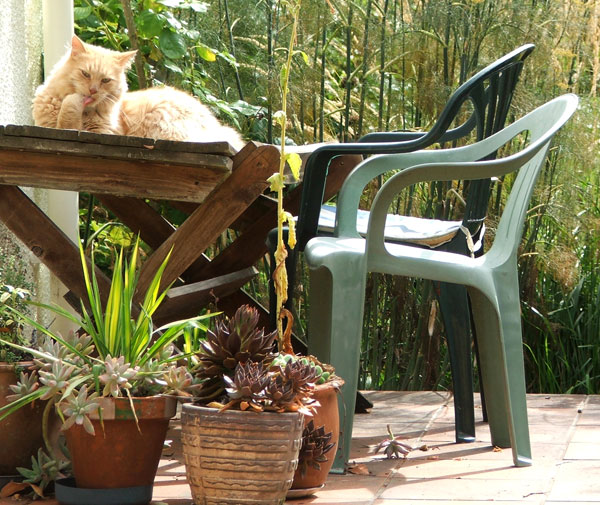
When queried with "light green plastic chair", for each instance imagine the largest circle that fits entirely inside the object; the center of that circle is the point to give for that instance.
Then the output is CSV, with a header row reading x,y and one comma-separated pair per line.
x,y
338,268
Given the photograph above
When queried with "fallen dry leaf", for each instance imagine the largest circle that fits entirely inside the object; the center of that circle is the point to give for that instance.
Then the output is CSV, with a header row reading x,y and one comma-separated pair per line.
x,y
497,449
12,488
358,469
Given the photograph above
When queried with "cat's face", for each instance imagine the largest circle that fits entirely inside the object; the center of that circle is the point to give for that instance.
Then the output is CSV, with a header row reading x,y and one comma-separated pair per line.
x,y
97,73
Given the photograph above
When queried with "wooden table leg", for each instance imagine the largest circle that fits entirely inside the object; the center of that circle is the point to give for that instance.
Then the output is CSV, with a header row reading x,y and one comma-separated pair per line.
x,y
247,181
47,241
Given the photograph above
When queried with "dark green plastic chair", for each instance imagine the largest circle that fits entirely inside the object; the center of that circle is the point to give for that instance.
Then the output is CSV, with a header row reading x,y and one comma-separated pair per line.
x,y
490,92
339,265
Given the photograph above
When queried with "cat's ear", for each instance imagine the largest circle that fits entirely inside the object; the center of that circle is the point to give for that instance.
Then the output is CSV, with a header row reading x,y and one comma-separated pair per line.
x,y
125,59
77,46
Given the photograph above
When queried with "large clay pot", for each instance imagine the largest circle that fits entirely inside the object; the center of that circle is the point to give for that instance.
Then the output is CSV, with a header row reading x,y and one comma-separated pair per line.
x,y
235,457
21,432
327,415
123,453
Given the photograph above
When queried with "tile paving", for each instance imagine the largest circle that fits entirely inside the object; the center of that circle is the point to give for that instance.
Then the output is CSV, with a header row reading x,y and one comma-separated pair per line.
x,y
565,433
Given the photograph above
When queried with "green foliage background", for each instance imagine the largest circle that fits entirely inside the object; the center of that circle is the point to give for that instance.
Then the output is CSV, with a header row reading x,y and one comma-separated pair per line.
x,y
369,65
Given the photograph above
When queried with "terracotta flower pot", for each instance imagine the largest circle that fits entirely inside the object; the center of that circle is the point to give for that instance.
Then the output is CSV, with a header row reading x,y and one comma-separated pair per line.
x,y
120,455
21,432
237,457
326,415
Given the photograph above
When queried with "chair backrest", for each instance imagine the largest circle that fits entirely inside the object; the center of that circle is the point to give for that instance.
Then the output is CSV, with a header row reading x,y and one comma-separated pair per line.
x,y
467,163
490,92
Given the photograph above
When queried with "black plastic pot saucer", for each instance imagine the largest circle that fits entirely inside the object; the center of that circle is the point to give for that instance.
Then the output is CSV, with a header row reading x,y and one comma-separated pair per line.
x,y
67,493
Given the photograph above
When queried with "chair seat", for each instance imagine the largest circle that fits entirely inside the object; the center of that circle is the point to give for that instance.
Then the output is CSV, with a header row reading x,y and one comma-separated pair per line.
x,y
415,230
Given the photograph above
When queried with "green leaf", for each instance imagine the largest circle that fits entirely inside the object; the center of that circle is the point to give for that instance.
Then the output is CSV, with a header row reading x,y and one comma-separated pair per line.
x,y
150,24
172,44
304,56
206,53
276,182
246,108
283,74
176,69
81,12
295,163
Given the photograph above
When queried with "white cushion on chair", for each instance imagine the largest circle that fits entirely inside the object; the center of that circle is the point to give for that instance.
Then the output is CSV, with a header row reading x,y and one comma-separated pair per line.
x,y
429,232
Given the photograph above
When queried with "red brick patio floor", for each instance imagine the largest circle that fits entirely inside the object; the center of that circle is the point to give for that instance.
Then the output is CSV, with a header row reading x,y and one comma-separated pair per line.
x,y
565,434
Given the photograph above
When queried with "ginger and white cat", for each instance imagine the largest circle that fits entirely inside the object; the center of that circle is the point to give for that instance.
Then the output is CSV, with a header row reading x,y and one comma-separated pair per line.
x,y
87,90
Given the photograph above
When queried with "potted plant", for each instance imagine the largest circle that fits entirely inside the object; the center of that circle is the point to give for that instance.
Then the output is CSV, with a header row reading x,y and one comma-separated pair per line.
x,y
21,435
242,433
321,431
108,383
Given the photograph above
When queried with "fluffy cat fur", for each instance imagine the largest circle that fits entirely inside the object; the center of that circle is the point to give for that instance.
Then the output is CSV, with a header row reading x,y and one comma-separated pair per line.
x,y
87,90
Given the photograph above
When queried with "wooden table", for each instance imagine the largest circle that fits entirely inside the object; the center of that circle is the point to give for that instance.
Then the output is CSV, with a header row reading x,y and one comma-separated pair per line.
x,y
215,186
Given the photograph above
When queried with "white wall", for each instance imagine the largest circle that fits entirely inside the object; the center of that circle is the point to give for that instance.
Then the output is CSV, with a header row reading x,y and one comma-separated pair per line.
x,y
22,32
20,57
21,61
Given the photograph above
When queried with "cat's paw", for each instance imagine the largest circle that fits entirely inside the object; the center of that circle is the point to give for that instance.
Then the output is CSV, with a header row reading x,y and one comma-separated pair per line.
x,y
75,101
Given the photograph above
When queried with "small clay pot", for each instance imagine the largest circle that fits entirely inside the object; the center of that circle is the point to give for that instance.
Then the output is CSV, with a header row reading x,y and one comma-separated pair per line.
x,y
123,453
21,432
326,415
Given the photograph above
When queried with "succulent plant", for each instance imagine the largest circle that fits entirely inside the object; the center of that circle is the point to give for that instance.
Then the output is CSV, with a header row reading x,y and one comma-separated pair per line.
x,y
236,340
258,388
248,386
321,374
315,445
27,383
78,408
392,446
116,376
44,470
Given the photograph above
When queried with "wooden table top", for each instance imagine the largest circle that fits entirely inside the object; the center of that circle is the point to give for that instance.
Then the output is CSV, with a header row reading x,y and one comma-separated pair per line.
x,y
112,164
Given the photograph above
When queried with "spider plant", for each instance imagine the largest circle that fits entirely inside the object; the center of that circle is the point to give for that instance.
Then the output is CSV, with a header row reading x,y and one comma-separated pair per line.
x,y
117,352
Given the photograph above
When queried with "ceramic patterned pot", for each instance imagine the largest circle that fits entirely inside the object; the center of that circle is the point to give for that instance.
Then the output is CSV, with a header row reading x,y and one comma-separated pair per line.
x,y
235,457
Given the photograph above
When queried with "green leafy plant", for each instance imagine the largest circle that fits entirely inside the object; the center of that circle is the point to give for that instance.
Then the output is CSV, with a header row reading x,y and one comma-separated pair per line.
x,y
117,353
15,291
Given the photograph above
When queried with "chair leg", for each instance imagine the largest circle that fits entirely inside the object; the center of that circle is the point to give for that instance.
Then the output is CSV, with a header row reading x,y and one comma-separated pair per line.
x,y
501,351
454,305
481,389
334,336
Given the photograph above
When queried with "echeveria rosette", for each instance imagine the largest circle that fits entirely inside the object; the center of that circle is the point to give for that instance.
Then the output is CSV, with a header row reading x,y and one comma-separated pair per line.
x,y
27,383
56,381
117,376
78,408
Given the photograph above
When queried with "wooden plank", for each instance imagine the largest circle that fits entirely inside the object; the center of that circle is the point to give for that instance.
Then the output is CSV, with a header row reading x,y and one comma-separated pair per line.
x,y
186,301
252,166
61,147
219,148
257,209
46,241
116,177
250,246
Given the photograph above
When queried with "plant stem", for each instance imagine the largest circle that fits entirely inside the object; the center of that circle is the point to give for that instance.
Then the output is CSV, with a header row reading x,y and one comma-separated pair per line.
x,y
132,32
230,32
281,252
45,422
